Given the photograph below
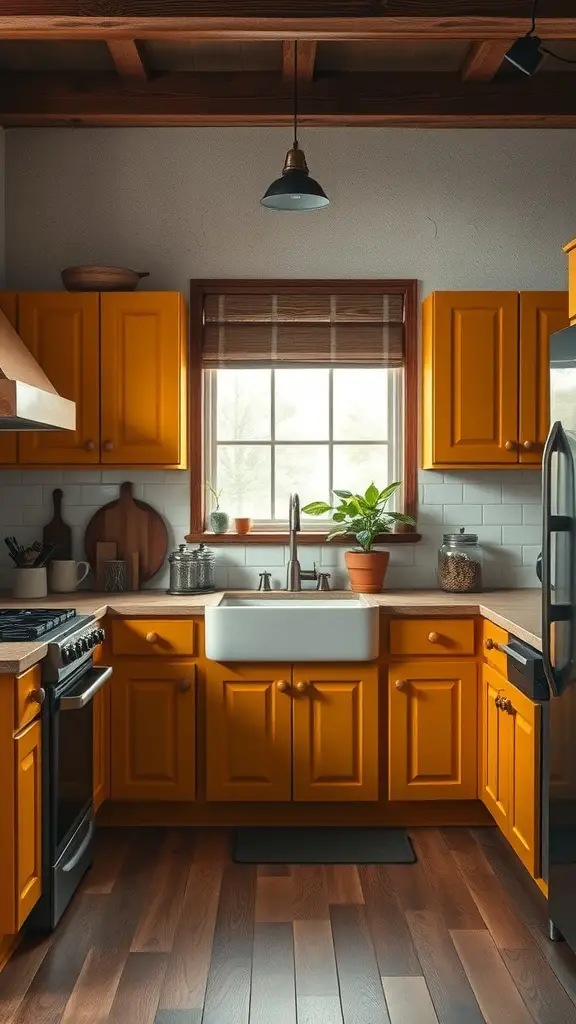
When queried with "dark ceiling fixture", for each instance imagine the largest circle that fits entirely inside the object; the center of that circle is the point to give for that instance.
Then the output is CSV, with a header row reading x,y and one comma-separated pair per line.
x,y
295,190
527,53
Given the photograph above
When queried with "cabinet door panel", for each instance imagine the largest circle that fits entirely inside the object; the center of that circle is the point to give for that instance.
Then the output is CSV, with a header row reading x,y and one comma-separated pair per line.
x,y
9,439
143,363
541,314
495,750
248,732
524,779
471,356
28,821
153,732
335,740
433,731
62,332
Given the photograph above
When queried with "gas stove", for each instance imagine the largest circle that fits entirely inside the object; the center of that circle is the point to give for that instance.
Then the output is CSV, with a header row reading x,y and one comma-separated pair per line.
x,y
71,638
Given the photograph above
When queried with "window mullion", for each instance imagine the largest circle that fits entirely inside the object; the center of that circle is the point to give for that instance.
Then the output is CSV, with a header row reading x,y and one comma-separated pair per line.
x,y
273,444
330,433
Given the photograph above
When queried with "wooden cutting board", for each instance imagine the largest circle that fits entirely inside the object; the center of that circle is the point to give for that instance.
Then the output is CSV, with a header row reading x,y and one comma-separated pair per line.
x,y
57,531
135,527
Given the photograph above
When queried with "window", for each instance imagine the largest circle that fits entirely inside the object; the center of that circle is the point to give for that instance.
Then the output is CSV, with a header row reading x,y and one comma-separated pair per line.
x,y
301,391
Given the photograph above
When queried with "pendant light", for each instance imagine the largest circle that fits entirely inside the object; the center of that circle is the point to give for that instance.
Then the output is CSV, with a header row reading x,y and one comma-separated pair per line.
x,y
295,190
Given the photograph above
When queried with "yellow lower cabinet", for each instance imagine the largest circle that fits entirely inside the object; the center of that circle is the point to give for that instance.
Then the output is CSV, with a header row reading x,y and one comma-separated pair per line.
x,y
510,764
248,732
433,717
335,732
153,734
28,746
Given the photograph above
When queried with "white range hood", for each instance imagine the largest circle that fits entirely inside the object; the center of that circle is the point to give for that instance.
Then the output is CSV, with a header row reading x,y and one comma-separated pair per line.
x,y
28,401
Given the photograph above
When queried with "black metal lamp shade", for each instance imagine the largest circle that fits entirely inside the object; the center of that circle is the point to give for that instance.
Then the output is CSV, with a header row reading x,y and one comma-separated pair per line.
x,y
526,54
295,190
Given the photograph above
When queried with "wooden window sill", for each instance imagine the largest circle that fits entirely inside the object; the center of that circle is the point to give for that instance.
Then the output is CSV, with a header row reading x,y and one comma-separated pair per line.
x,y
303,538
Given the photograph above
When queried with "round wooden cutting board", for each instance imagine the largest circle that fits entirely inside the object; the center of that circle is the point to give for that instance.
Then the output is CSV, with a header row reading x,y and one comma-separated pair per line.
x,y
135,528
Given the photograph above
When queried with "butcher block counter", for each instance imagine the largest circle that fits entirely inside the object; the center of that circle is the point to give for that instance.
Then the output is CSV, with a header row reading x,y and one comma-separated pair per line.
x,y
517,611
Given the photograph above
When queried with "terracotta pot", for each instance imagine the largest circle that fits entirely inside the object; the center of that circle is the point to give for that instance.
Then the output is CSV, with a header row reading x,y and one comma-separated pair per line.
x,y
243,525
367,571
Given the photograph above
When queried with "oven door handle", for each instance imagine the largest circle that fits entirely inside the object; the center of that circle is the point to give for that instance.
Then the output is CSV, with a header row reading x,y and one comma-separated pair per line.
x,y
76,857
97,677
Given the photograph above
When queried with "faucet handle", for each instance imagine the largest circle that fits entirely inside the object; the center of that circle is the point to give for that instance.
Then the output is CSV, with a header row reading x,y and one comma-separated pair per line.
x,y
323,578
265,581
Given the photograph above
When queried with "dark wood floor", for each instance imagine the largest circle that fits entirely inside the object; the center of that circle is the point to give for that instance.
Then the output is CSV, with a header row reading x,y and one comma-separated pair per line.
x,y
166,930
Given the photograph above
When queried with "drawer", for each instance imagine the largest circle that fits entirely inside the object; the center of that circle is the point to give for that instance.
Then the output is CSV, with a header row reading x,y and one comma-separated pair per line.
x,y
156,637
26,706
429,637
492,634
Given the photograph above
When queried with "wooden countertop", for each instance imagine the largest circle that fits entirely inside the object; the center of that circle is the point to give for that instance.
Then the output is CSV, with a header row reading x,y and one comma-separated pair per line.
x,y
518,611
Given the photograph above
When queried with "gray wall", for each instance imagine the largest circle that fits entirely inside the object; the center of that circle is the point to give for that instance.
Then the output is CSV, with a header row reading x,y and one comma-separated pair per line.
x,y
455,209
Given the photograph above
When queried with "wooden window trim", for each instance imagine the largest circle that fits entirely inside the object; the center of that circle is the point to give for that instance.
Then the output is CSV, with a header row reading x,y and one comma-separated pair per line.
x,y
198,289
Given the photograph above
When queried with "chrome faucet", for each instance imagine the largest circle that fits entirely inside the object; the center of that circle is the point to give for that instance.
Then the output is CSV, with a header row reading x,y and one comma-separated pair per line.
x,y
295,574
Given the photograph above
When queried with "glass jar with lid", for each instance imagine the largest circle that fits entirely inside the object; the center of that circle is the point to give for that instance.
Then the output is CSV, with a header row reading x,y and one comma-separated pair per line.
x,y
191,571
460,563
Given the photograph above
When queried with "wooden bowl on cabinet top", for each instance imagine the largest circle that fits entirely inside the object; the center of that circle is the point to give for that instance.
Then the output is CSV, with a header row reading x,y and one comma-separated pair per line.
x,y
101,279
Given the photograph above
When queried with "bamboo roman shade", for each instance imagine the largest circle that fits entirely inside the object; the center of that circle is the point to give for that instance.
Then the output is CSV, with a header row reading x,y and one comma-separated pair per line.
x,y
303,328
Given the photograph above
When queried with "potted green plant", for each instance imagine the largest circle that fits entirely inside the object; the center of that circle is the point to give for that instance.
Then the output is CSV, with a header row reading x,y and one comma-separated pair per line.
x,y
365,517
219,521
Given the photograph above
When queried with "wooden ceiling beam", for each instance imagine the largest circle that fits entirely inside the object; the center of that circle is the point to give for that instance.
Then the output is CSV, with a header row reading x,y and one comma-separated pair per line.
x,y
261,98
128,59
484,59
306,59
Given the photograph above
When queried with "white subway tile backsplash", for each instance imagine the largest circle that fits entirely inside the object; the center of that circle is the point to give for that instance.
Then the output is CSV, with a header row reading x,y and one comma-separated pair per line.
x,y
72,494
532,515
488,494
502,515
402,554
462,515
264,554
442,494
530,553
84,476
230,555
522,494
489,535
520,535
22,494
98,494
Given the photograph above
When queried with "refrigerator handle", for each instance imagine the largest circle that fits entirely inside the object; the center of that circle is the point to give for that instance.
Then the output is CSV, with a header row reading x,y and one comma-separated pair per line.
x,y
551,524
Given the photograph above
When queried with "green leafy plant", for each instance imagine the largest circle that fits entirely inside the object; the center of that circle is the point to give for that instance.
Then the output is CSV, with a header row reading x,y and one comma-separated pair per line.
x,y
215,494
363,515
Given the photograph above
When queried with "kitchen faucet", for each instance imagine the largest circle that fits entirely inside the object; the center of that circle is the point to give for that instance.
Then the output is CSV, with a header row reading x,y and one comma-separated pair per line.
x,y
295,574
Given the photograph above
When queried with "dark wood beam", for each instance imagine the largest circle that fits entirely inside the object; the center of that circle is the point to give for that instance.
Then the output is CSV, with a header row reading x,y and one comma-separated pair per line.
x,y
128,59
306,59
283,19
484,59
254,98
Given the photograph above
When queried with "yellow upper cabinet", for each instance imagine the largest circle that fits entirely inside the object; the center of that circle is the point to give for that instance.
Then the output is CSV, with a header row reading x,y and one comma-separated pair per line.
x,y
62,330
485,376
122,358
571,250
143,378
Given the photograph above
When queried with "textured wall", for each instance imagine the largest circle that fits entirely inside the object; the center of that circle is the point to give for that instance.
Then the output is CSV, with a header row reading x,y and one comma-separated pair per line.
x,y
468,209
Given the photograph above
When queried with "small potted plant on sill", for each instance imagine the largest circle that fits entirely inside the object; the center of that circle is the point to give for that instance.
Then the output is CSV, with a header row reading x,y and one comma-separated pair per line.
x,y
365,517
219,521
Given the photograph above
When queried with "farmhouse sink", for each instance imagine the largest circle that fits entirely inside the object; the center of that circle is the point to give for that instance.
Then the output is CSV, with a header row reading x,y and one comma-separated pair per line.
x,y
293,627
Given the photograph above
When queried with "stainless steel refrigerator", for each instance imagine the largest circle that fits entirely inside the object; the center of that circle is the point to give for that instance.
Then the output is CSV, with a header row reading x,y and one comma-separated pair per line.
x,y
559,638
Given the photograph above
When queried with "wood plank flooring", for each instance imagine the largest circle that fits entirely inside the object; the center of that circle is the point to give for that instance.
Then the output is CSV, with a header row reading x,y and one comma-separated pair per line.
x,y
165,929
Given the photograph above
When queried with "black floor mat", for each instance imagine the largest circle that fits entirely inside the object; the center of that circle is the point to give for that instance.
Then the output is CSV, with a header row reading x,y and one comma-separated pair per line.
x,y
345,845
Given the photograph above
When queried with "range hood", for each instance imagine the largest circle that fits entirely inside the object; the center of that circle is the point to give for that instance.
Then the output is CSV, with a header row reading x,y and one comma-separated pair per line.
x,y
28,401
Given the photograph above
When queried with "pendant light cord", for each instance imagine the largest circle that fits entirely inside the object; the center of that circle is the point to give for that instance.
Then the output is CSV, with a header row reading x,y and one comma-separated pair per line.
x,y
544,49
295,94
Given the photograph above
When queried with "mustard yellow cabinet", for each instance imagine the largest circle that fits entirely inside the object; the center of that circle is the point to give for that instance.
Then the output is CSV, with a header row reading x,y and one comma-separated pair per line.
x,y
485,376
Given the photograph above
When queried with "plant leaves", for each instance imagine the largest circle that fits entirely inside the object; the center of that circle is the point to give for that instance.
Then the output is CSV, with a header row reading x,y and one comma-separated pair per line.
x,y
337,531
399,517
388,491
372,494
364,538
317,508
339,517
343,494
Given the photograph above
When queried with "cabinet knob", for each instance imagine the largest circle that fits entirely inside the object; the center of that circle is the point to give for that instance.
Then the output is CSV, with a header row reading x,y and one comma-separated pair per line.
x,y
509,446
400,684
283,685
433,638
489,644
151,638
302,686
528,445
37,696
507,705
90,446
184,685
108,446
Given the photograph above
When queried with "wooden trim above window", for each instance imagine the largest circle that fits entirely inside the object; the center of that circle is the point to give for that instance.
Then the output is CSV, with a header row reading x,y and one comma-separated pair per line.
x,y
198,290
281,537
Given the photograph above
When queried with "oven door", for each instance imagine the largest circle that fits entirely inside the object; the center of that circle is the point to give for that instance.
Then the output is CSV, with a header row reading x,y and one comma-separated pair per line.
x,y
72,771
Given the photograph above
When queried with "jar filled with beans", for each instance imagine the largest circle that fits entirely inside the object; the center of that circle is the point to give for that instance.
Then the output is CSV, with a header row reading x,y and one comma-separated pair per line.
x,y
460,563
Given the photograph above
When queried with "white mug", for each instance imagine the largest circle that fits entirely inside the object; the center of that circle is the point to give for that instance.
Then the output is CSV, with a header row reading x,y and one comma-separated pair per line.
x,y
64,575
29,583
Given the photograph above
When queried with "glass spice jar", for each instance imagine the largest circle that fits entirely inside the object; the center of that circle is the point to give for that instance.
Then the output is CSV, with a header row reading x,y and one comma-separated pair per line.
x,y
460,563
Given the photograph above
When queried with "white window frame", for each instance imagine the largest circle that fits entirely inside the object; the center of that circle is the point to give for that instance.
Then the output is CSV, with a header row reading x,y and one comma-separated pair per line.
x,y
394,443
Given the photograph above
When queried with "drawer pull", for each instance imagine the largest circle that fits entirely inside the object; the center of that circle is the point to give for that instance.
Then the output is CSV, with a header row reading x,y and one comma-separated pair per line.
x,y
37,696
90,446
507,706
528,445
302,686
151,638
400,684
433,638
491,645
510,446
283,685
184,685
108,446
